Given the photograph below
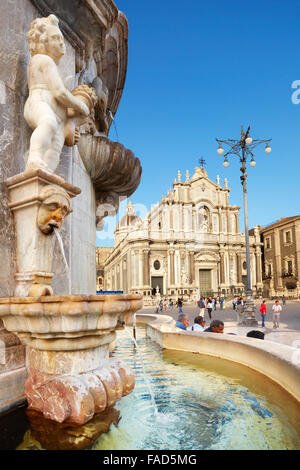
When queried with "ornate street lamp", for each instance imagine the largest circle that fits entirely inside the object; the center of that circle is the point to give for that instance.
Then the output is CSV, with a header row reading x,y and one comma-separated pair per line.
x,y
243,148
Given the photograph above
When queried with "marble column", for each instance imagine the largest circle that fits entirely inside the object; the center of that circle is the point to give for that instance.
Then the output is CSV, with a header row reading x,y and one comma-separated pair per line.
x,y
125,275
136,268
222,268
237,223
191,267
141,274
172,267
220,221
146,268
239,268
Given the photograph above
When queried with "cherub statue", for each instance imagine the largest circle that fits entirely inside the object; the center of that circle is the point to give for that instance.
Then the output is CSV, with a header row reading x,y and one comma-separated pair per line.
x,y
51,109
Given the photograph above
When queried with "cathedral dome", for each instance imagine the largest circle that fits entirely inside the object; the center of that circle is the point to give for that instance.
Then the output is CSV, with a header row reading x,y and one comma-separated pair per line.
x,y
129,219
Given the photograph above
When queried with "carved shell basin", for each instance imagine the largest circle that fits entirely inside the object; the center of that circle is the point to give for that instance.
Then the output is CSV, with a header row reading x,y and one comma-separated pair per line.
x,y
68,322
112,167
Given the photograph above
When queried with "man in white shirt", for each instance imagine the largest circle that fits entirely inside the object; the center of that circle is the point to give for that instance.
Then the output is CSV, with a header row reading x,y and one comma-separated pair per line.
x,y
198,325
277,309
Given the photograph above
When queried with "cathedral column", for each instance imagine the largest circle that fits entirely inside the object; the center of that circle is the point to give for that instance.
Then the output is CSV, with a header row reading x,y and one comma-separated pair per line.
x,y
192,267
146,267
228,221
129,271
193,219
222,268
239,268
125,274
140,268
237,223
220,221
136,268
172,267
121,287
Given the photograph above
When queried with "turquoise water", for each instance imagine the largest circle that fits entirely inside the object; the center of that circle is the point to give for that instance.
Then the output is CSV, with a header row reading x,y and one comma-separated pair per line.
x,y
202,402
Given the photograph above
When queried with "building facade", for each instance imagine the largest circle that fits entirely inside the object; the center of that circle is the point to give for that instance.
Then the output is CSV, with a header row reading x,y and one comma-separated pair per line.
x,y
101,255
188,244
281,258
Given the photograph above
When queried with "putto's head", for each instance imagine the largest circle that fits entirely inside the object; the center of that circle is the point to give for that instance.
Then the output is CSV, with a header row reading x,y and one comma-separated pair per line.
x,y
45,37
55,206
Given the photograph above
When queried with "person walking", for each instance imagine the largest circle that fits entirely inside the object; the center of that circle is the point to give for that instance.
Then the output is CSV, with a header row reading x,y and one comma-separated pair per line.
x,y
201,306
263,311
277,309
209,308
180,303
240,311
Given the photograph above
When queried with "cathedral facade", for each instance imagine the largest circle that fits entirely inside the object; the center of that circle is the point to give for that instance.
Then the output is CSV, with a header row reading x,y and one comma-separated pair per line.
x,y
188,244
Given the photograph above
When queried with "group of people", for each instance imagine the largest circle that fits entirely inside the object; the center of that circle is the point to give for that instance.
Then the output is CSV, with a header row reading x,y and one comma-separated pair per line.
x,y
209,304
216,326
166,305
276,310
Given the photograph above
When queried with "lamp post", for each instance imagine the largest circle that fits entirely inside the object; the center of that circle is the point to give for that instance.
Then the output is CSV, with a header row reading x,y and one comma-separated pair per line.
x,y
243,149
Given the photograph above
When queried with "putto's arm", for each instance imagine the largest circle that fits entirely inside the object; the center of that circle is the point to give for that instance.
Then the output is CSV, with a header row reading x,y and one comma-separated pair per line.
x,y
57,88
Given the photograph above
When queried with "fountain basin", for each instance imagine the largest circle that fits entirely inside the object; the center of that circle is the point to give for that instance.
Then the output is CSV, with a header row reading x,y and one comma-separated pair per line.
x,y
67,322
112,167
68,338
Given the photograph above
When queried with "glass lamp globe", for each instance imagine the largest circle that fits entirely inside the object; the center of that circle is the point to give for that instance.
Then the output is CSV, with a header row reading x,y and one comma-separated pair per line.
x,y
252,163
226,163
249,140
220,150
268,149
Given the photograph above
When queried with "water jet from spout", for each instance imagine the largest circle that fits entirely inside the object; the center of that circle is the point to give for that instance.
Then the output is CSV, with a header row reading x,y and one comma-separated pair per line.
x,y
61,245
144,371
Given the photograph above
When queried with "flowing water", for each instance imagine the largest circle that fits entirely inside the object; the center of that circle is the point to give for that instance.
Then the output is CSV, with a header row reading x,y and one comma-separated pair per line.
x,y
145,375
61,246
202,403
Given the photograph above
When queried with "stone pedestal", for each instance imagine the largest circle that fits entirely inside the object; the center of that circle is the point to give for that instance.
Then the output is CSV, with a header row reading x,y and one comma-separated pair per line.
x,y
34,250
249,311
70,374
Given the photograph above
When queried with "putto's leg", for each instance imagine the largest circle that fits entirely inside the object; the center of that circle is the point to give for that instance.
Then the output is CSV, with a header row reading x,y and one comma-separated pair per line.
x,y
53,153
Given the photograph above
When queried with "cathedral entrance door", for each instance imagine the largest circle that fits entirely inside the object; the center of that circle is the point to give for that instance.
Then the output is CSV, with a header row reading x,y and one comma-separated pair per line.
x,y
205,282
157,281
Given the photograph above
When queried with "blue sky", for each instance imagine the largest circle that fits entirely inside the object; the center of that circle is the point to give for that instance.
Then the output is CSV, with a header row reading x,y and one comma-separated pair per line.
x,y
199,70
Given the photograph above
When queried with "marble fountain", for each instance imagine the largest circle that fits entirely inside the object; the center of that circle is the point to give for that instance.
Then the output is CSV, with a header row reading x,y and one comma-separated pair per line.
x,y
60,176
55,333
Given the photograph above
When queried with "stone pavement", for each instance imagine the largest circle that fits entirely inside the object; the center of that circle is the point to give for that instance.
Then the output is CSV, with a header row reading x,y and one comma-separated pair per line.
x,y
288,332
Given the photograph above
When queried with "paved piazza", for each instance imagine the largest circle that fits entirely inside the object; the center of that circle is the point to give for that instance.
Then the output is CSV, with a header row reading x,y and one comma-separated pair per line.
x,y
288,333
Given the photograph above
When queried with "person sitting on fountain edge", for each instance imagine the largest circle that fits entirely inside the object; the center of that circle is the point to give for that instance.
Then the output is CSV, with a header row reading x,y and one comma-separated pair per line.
x,y
198,325
216,326
182,322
